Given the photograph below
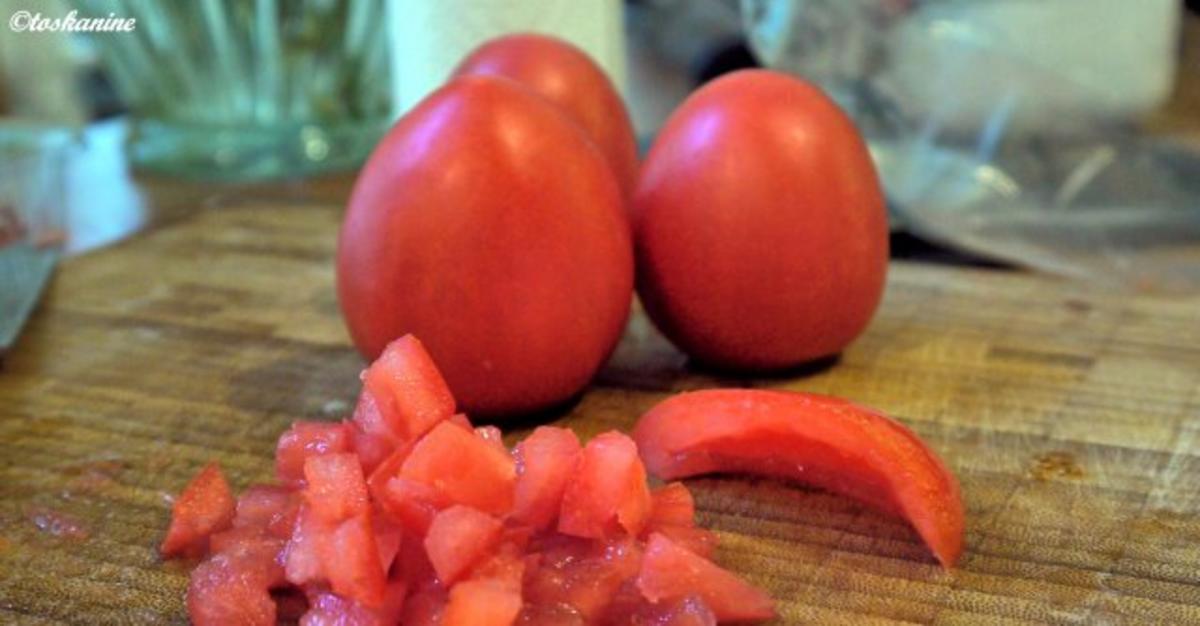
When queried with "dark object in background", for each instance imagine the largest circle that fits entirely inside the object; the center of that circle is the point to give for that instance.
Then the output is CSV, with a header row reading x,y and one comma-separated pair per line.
x,y
721,59
101,100
1193,5
913,248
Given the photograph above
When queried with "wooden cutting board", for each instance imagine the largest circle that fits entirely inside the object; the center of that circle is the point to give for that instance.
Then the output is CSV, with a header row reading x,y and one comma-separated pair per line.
x,y
1072,419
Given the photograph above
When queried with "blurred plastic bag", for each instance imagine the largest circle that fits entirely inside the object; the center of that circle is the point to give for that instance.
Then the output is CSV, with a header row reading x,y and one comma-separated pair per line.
x,y
1006,127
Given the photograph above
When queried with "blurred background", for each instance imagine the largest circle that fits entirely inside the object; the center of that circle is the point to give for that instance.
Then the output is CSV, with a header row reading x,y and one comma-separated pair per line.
x,y
1061,136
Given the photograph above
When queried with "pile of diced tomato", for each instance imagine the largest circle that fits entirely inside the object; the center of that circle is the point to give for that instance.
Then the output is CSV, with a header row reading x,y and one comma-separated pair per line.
x,y
406,514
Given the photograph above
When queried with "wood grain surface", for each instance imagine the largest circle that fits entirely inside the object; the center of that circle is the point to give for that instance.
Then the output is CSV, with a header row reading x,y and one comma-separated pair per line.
x,y
1072,419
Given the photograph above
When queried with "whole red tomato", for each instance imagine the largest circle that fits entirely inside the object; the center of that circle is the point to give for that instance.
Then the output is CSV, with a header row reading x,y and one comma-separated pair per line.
x,y
566,76
760,225
488,226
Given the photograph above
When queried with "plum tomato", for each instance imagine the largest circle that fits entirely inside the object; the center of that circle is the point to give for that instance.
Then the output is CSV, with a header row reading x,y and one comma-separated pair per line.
x,y
760,225
566,76
486,223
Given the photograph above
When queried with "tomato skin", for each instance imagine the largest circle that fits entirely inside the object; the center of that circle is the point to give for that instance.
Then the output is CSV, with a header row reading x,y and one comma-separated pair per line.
x,y
814,439
566,76
486,224
760,225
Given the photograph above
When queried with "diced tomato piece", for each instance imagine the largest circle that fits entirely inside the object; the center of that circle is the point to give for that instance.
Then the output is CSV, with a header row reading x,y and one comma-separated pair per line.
x,y
412,564
411,504
631,608
482,603
388,537
252,550
330,609
673,513
608,492
699,540
672,505
461,419
270,508
505,566
672,572
425,606
336,489
371,436
230,590
388,469
819,440
305,439
350,559
545,462
231,539
302,556
248,540
463,468
458,537
411,394
204,507
584,574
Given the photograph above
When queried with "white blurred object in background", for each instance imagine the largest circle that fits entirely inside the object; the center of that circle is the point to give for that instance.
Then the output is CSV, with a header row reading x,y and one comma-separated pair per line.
x,y
430,37
1012,128
1096,61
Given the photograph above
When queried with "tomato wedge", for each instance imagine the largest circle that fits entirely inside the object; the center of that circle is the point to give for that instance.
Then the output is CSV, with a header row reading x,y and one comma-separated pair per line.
x,y
818,440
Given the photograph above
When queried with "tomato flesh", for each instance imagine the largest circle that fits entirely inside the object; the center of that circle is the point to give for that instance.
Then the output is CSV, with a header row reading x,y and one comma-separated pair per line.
x,y
205,506
481,603
608,492
330,609
671,572
458,537
545,463
269,508
583,574
672,505
410,393
230,591
463,469
302,557
372,438
350,558
305,439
